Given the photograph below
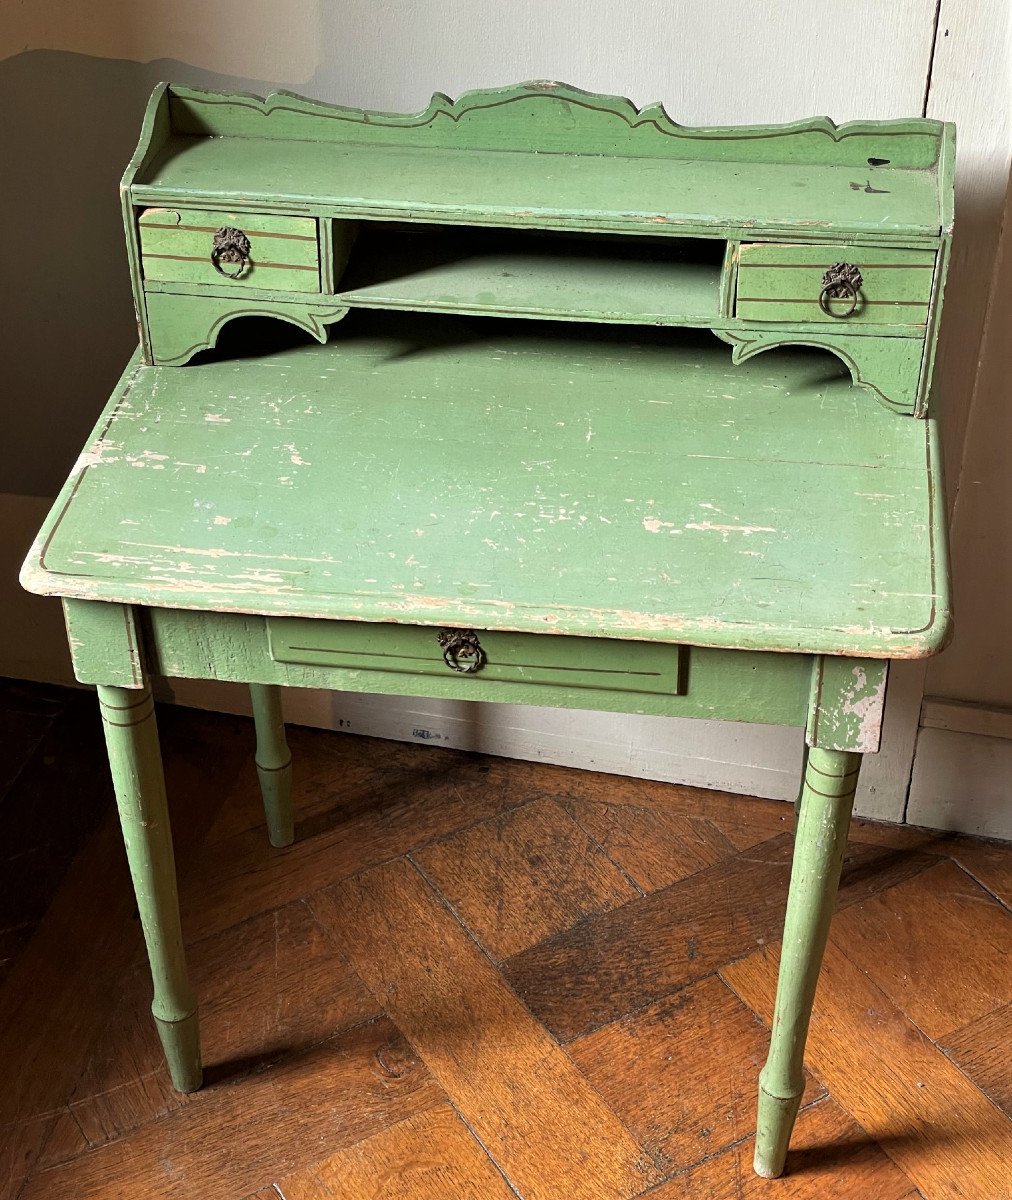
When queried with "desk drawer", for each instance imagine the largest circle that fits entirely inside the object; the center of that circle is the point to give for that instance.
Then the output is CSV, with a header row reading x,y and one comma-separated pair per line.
x,y
283,252
789,283
548,660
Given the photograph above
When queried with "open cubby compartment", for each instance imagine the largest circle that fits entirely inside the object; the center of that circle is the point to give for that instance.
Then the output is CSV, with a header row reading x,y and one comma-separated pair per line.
x,y
574,276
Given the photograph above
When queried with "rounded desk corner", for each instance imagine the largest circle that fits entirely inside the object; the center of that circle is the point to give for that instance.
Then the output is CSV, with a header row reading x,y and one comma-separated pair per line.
x,y
935,637
33,576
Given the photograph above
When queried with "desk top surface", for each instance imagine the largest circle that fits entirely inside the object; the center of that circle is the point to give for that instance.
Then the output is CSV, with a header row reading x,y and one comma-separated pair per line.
x,y
506,475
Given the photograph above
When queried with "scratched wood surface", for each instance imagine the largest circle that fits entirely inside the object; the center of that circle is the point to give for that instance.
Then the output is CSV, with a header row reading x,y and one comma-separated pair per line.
x,y
435,469
364,1040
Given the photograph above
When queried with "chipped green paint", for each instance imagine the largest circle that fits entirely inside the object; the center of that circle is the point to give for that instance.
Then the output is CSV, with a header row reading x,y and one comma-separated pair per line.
x,y
105,644
846,705
827,799
534,480
181,325
128,718
720,684
743,535
274,763
546,116
176,242
887,368
545,156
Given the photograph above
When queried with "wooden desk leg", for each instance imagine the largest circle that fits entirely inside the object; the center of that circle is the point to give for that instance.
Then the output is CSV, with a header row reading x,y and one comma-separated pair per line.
x,y
128,717
274,763
821,840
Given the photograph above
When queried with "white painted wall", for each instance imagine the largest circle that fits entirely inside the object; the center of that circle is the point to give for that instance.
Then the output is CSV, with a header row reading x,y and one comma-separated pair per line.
x,y
709,61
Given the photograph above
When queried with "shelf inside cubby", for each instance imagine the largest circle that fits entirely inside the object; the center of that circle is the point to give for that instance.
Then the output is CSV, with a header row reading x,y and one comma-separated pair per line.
x,y
561,276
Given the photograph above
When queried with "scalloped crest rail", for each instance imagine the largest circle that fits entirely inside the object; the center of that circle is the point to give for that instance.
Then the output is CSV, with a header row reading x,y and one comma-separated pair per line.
x,y
728,229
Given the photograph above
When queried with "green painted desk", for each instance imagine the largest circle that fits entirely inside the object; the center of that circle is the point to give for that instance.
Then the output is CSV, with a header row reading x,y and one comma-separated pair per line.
x,y
583,508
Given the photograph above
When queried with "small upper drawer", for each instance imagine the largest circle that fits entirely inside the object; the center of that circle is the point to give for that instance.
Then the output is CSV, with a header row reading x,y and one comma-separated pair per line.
x,y
835,285
276,253
605,664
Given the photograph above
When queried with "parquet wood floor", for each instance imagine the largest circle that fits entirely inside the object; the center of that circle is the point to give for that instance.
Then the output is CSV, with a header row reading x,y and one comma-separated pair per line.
x,y
479,979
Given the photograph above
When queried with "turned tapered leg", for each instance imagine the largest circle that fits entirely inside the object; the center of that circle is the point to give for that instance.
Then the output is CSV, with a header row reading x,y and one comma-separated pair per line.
x,y
274,763
826,801
131,737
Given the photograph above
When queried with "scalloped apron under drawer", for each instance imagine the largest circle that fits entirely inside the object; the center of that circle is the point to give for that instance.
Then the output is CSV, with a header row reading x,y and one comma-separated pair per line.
x,y
176,246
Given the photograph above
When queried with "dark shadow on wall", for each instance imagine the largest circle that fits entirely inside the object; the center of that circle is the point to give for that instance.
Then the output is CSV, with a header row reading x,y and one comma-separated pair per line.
x,y
70,126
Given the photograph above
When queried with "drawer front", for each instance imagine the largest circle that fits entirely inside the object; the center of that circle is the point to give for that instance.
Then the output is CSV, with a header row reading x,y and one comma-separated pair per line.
x,y
176,245
785,282
547,660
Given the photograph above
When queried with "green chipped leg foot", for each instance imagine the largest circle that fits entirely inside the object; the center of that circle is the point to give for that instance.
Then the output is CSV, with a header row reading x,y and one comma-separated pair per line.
x,y
128,719
827,798
181,1043
274,763
773,1132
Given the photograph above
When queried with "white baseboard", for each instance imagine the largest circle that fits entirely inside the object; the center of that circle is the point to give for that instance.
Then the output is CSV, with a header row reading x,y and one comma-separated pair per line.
x,y
960,717
756,760
962,778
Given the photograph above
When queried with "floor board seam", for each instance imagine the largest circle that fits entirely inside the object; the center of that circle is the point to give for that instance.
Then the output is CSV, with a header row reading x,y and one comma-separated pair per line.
x,y
981,884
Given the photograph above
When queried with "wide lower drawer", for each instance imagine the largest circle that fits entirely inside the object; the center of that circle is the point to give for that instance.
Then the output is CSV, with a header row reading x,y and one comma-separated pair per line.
x,y
283,252
547,660
795,283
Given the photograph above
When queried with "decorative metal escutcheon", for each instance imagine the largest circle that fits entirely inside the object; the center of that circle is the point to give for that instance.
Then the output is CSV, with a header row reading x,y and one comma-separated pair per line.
x,y
841,282
230,246
461,650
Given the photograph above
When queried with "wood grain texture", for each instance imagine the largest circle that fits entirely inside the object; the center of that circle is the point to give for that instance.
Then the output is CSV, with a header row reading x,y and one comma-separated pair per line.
x,y
66,1139
269,987
619,961
333,1094
744,826
342,780
937,945
348,817
433,1156
989,864
945,1134
300,1095
542,1123
85,943
981,1051
830,1156
523,876
654,847
681,1073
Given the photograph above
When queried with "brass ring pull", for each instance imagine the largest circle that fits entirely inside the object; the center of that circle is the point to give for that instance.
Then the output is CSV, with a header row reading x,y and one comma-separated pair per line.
x,y
461,650
230,246
841,282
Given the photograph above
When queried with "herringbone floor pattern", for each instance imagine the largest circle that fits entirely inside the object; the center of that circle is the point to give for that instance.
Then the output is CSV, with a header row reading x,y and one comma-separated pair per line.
x,y
474,978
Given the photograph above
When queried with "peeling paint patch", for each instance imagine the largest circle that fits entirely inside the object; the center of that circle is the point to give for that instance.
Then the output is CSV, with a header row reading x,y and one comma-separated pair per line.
x,y
867,706
710,527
